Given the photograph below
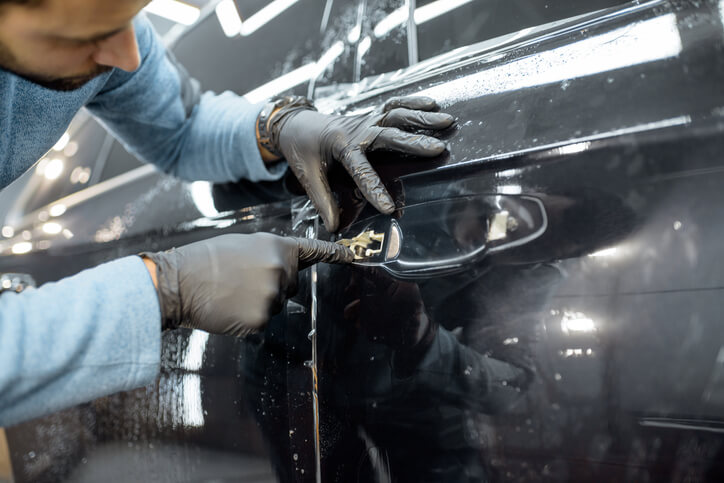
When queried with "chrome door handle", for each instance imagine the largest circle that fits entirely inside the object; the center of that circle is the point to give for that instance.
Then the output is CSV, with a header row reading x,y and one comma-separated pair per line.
x,y
446,236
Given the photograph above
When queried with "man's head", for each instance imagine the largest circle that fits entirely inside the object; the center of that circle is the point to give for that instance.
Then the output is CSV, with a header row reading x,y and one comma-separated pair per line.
x,y
62,44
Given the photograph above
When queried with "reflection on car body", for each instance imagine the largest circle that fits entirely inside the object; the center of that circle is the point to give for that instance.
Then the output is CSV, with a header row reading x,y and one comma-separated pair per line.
x,y
562,322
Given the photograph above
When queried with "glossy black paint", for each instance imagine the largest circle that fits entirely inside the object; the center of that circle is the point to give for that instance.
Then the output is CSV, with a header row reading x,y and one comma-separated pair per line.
x,y
603,333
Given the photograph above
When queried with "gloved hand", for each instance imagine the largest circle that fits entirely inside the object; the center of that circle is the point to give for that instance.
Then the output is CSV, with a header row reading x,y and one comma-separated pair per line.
x,y
311,141
232,284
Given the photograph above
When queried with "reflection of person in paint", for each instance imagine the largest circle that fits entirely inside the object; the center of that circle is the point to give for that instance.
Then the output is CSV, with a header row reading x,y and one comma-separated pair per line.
x,y
58,56
455,358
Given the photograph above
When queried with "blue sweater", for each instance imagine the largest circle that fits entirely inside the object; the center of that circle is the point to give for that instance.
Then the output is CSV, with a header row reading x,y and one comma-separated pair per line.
x,y
90,335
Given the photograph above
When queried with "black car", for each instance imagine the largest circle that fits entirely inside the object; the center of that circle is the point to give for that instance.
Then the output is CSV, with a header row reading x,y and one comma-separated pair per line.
x,y
546,304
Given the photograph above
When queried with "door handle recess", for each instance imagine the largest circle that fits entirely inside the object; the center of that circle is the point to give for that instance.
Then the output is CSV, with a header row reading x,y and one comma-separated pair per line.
x,y
444,237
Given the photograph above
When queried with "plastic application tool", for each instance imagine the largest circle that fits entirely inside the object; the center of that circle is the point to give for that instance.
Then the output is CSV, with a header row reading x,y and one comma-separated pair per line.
x,y
365,245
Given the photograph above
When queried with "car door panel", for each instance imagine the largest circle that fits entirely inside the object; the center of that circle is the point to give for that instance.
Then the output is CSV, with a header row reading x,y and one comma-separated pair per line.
x,y
588,352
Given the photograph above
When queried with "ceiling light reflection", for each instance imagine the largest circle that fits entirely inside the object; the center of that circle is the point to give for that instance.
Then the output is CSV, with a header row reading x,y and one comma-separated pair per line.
x,y
646,41
57,210
195,350
510,189
53,169
574,148
52,228
203,198
297,76
22,248
80,174
364,47
228,17
354,34
329,57
576,322
606,252
8,231
282,83
174,10
62,142
71,149
265,15
422,14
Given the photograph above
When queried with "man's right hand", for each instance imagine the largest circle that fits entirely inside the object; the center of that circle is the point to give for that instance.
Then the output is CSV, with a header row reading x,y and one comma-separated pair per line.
x,y
233,284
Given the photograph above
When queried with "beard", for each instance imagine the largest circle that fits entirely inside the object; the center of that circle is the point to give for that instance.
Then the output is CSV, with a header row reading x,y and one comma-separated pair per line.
x,y
71,83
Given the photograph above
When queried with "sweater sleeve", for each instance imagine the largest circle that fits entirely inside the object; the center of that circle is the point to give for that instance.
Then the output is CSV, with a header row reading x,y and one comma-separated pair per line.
x,y
157,116
86,336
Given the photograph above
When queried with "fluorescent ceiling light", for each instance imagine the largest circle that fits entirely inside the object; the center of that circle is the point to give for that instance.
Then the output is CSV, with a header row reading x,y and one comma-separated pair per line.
x,y
54,169
52,228
263,16
297,76
281,84
387,24
57,210
228,18
203,198
195,350
62,142
354,34
606,252
364,47
422,14
21,248
174,10
436,9
646,41
329,57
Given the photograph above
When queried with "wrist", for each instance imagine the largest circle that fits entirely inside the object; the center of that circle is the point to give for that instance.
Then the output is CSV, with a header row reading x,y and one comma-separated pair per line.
x,y
266,124
151,267
263,143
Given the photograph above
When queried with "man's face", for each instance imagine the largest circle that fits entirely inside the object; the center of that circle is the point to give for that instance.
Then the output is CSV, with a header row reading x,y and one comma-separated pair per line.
x,y
62,44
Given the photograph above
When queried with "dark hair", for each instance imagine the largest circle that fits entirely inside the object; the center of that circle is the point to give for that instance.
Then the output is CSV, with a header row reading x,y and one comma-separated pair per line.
x,y
31,3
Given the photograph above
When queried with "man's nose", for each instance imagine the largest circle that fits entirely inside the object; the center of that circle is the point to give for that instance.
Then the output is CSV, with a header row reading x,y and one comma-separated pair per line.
x,y
120,50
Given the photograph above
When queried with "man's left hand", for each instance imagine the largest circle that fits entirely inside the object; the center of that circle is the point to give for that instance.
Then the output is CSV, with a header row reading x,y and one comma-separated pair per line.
x,y
311,142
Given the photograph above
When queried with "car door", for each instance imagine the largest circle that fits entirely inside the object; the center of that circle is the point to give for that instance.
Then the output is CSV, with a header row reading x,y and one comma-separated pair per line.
x,y
545,304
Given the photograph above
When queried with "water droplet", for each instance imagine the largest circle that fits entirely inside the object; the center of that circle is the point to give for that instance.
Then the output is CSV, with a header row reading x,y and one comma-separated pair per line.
x,y
558,377
295,456
468,370
308,364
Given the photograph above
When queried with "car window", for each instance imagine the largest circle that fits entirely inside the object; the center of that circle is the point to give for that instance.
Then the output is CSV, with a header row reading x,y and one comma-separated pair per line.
x,y
278,56
443,25
383,47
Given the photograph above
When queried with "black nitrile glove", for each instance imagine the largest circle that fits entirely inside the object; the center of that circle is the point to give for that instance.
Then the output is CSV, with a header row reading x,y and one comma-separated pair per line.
x,y
233,284
311,141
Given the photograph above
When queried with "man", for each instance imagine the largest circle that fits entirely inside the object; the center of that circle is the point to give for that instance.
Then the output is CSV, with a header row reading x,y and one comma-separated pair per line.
x,y
99,332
